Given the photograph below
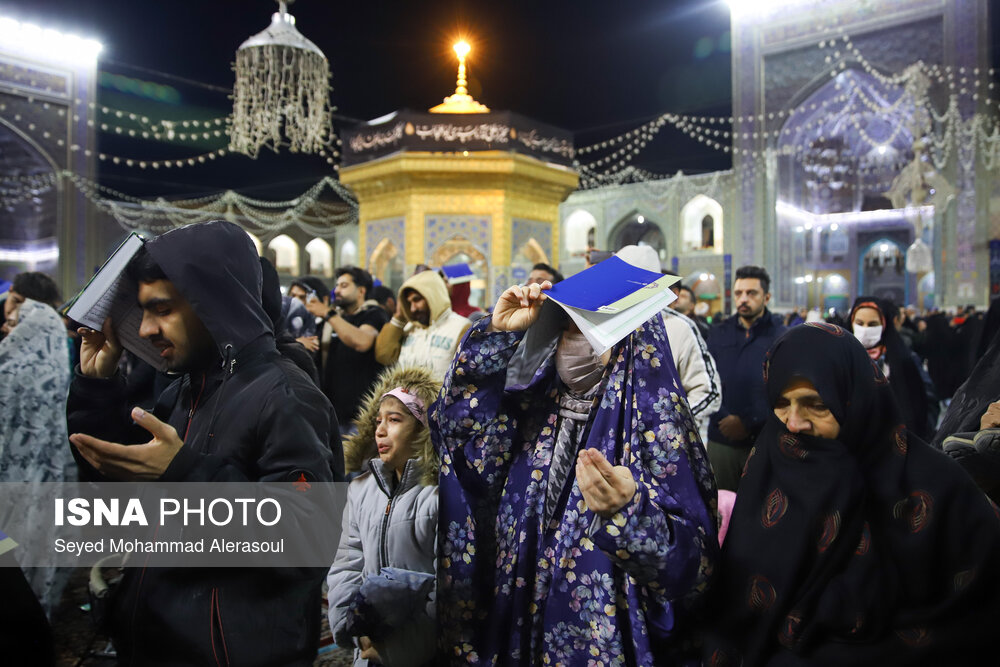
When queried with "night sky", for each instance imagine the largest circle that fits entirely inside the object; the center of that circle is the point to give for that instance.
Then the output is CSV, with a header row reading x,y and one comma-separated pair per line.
x,y
595,67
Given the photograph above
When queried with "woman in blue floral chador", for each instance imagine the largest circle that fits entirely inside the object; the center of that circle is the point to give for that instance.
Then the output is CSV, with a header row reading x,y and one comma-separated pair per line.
x,y
577,506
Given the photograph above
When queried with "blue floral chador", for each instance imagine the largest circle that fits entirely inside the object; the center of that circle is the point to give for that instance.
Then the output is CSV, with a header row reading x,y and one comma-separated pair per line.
x,y
527,574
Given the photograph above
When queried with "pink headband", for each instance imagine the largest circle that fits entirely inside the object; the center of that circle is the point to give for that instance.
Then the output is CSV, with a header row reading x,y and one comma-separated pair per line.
x,y
411,401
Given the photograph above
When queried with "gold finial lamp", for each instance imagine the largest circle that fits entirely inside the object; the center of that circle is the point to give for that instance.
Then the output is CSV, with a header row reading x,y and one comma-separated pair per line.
x,y
461,101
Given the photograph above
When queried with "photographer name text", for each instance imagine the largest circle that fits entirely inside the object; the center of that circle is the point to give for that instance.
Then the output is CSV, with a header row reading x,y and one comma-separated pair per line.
x,y
128,546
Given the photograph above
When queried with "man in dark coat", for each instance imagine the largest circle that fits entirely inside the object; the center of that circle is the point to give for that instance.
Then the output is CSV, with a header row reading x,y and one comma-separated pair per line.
x,y
238,412
738,345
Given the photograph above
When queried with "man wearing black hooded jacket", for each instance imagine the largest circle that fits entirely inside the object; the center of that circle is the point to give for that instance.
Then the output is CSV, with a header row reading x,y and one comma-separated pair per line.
x,y
238,412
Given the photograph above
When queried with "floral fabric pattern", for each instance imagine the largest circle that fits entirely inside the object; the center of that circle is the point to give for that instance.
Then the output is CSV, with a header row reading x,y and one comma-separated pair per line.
x,y
577,590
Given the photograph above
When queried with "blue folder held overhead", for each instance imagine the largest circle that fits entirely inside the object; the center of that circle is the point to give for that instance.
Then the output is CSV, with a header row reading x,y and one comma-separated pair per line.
x,y
610,286
458,273
611,299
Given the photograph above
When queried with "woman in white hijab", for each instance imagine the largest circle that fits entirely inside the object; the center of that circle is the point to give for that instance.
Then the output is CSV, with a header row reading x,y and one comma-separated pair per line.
x,y
33,397
34,443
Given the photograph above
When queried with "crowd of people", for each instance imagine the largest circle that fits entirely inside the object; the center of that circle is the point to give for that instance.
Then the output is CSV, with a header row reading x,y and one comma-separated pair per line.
x,y
754,490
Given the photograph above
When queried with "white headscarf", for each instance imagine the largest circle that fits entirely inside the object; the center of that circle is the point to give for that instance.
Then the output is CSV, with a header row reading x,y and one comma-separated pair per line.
x,y
34,382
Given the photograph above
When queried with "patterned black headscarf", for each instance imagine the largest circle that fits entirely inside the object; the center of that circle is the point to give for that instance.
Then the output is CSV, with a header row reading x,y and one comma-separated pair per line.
x,y
864,550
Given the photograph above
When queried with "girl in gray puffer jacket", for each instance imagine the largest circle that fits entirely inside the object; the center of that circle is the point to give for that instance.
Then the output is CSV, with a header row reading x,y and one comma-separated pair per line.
x,y
381,584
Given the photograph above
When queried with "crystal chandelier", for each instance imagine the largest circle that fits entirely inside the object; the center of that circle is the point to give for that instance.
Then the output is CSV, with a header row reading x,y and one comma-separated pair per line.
x,y
281,95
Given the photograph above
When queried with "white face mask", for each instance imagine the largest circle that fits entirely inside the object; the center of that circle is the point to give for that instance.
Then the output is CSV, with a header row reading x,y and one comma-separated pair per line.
x,y
578,367
869,336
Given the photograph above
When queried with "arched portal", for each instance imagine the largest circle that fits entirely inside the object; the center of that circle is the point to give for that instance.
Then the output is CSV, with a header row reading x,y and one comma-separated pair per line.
x,y
386,264
348,253
638,230
284,253
836,292
579,232
883,270
701,225
320,256
529,254
29,207
256,244
848,137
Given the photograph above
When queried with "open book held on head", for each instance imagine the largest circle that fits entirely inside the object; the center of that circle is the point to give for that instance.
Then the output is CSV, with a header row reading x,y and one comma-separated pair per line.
x,y
111,294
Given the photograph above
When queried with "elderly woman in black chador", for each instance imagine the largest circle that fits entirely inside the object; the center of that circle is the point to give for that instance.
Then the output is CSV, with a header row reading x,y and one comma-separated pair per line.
x,y
848,544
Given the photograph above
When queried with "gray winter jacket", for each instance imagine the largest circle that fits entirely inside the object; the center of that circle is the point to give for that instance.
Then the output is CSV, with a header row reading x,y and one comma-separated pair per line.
x,y
385,525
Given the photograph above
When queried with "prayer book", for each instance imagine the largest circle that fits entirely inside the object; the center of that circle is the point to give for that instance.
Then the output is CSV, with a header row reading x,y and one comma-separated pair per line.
x,y
110,293
611,299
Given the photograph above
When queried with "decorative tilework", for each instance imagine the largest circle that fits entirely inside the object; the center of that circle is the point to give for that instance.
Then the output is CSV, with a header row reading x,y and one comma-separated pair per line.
x,y
522,230
475,229
964,16
789,73
747,96
727,285
825,14
501,281
393,229
784,274
616,209
37,79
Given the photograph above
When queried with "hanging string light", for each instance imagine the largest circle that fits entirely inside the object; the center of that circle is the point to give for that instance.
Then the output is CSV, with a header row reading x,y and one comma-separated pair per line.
x,y
949,132
282,89
305,211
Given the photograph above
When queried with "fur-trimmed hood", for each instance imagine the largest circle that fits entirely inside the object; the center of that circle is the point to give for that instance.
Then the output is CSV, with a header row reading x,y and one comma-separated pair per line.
x,y
360,447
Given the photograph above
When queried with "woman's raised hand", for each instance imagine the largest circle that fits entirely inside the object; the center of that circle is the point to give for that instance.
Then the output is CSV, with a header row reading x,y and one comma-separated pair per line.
x,y
519,306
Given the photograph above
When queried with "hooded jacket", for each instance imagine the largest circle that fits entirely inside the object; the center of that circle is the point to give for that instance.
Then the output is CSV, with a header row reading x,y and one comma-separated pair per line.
x,y
388,523
413,344
250,416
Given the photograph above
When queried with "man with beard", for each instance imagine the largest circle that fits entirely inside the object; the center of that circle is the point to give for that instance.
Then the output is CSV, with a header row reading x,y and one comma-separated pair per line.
x,y
738,346
237,412
347,342
425,331
685,304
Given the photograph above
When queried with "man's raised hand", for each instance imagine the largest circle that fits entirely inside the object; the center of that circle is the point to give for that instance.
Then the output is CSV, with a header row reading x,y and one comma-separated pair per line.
x,y
100,351
519,306
132,462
